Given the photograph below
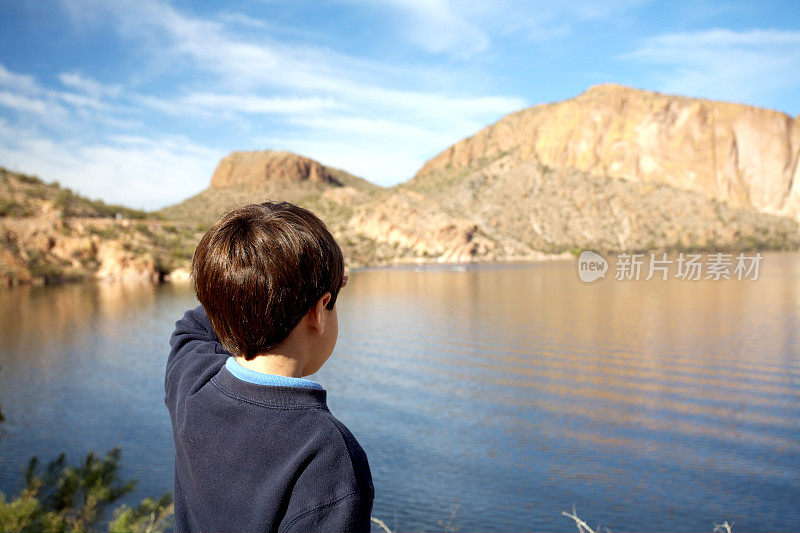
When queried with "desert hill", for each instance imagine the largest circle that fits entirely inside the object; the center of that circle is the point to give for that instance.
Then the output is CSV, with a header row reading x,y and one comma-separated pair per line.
x,y
251,169
528,206
50,234
742,155
251,177
248,177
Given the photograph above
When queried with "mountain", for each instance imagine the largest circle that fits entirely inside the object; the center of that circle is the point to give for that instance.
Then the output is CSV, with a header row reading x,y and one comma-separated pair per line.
x,y
744,156
248,177
251,177
614,169
488,210
622,169
373,225
253,169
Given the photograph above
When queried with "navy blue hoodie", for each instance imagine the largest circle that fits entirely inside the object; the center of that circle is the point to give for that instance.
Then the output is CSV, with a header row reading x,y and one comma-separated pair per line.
x,y
251,457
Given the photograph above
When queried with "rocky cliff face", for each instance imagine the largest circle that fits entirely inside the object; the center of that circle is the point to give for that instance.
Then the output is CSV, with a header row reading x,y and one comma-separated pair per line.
x,y
741,155
419,228
250,169
49,234
48,249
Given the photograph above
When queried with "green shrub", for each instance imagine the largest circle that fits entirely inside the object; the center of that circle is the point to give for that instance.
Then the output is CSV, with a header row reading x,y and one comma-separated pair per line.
x,y
65,202
10,208
148,517
71,499
33,180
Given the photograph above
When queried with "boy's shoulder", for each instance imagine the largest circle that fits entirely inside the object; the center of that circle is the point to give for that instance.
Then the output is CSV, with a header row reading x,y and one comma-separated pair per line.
x,y
282,443
326,467
355,450
334,481
303,409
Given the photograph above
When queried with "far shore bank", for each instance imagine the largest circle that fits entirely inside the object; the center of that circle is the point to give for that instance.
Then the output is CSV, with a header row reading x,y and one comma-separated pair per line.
x,y
182,275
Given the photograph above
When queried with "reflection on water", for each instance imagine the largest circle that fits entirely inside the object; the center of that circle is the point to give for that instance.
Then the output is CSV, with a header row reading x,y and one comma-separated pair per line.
x,y
81,371
511,392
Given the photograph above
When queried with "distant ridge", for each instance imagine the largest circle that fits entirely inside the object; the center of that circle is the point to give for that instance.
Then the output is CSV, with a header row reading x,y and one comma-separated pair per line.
x,y
742,155
614,169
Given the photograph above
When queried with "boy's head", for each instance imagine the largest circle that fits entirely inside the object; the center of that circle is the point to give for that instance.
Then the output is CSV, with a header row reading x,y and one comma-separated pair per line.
x,y
260,269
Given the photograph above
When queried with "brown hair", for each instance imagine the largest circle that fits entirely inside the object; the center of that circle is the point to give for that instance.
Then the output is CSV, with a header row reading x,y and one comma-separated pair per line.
x,y
260,269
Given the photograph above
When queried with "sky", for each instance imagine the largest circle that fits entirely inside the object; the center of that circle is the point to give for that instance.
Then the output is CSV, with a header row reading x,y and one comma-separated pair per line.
x,y
136,101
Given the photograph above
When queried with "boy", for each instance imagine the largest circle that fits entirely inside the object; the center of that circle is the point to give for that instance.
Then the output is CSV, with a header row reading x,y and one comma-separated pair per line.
x,y
256,448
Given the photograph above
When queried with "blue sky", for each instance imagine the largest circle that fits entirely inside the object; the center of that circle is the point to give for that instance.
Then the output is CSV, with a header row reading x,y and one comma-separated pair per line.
x,y
136,101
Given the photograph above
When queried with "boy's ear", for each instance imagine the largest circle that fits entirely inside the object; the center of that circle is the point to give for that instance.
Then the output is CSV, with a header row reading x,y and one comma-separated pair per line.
x,y
317,313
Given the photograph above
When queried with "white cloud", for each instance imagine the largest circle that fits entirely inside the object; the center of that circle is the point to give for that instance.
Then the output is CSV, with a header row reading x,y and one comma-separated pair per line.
x,y
542,20
376,120
243,20
203,42
135,171
334,96
13,80
389,132
723,64
55,107
236,106
377,162
263,63
465,28
146,175
23,103
439,26
257,105
241,23
721,37
88,85
166,106
81,101
439,109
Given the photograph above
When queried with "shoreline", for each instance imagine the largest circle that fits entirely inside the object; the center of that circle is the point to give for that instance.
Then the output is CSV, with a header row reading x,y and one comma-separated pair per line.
x,y
181,275
450,265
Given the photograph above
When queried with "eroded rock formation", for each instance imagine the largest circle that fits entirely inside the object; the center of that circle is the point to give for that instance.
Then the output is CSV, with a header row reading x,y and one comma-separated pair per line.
x,y
255,168
742,155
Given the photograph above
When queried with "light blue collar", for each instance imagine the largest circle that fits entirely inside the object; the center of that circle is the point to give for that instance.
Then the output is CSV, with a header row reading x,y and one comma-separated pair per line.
x,y
259,378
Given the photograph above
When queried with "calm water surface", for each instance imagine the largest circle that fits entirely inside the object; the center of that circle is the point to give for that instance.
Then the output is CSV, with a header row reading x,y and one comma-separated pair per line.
x,y
490,399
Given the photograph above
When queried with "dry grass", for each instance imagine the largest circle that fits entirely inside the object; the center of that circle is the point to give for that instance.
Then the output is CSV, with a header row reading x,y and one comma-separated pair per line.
x,y
583,527
381,524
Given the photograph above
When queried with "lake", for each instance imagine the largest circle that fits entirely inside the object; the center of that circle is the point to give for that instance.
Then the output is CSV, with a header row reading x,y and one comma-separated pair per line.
x,y
487,399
